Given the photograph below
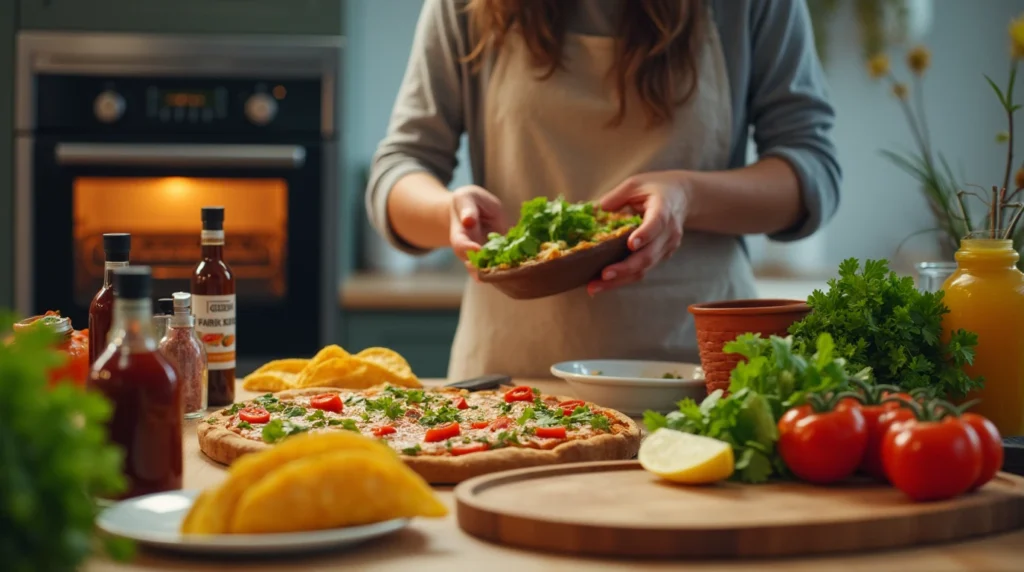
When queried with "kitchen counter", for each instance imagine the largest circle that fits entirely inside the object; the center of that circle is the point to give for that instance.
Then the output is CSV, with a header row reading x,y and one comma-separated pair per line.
x,y
443,290
439,544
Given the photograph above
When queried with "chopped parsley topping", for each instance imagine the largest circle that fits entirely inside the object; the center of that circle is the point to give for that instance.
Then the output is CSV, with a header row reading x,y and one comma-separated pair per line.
x,y
505,439
504,408
387,405
244,425
278,429
347,424
443,414
411,451
235,408
269,402
294,411
317,415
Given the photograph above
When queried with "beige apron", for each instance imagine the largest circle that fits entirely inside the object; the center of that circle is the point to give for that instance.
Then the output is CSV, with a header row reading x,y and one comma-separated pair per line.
x,y
550,137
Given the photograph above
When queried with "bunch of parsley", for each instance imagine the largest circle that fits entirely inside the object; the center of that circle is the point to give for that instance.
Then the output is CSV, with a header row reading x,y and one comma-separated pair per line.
x,y
773,378
540,221
54,458
880,320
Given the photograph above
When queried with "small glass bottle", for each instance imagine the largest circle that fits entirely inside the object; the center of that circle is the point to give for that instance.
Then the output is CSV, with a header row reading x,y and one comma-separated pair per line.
x,y
143,388
162,317
116,248
213,303
181,347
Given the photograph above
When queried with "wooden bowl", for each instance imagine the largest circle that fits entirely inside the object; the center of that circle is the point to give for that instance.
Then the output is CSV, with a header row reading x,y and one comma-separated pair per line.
x,y
550,277
720,322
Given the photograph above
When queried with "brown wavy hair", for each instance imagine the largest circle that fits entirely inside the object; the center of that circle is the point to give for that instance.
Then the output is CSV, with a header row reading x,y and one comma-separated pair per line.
x,y
656,51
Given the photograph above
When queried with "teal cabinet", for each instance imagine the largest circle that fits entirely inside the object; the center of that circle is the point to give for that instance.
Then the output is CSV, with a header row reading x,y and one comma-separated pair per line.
x,y
424,338
185,16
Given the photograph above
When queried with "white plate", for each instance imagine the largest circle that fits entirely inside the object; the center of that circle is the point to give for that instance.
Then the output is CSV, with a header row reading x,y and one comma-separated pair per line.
x,y
633,386
155,520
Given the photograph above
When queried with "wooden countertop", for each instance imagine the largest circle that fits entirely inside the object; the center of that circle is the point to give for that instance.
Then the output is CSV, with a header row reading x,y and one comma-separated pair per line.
x,y
439,544
443,290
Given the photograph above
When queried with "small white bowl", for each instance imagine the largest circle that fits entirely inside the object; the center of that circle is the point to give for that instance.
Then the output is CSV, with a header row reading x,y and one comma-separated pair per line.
x,y
633,386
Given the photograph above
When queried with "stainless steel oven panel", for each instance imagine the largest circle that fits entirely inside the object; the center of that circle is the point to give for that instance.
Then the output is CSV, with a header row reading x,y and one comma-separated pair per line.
x,y
24,245
181,155
166,55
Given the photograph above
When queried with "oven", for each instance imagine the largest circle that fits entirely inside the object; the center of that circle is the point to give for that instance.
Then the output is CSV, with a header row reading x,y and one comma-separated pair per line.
x,y
135,134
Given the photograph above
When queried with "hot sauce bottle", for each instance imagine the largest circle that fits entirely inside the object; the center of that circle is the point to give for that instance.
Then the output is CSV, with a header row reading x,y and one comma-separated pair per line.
x,y
116,247
213,304
143,388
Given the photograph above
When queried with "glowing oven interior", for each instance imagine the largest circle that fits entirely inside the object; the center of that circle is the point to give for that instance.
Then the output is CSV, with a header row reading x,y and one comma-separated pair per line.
x,y
162,215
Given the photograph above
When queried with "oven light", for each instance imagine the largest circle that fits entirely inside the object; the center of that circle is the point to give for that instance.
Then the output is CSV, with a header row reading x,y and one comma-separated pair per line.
x,y
279,92
176,186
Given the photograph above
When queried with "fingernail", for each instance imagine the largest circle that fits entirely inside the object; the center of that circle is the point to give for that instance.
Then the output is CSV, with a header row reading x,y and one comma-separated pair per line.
x,y
636,243
594,290
610,275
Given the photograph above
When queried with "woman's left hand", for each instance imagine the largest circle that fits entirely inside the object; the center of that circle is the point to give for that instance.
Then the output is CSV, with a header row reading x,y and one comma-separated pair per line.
x,y
662,198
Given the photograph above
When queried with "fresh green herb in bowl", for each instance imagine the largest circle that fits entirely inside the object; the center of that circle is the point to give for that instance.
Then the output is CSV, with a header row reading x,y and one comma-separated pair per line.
x,y
547,229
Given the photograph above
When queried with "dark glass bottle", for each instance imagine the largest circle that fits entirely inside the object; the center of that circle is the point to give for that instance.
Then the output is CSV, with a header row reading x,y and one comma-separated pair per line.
x,y
143,388
116,247
213,304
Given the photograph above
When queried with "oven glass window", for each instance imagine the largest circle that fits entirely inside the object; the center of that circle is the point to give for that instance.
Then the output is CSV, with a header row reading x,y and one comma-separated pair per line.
x,y
162,215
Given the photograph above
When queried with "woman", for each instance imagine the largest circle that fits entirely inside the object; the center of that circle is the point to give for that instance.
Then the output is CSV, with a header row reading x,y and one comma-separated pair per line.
x,y
645,103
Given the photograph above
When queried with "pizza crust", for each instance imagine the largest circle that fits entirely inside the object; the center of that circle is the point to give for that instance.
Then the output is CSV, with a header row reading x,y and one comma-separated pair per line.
x,y
225,446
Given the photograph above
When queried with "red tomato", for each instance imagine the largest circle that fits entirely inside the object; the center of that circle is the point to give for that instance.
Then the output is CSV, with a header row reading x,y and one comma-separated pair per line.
x,y
569,406
443,432
551,432
383,430
991,447
254,415
460,403
479,424
470,448
501,423
932,460
822,447
878,419
327,402
521,393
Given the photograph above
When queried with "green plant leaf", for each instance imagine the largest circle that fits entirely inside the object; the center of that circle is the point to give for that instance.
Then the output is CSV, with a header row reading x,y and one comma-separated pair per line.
x,y
999,92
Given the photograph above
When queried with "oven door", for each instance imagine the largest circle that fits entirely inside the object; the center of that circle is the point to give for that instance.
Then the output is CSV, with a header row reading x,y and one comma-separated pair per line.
x,y
272,196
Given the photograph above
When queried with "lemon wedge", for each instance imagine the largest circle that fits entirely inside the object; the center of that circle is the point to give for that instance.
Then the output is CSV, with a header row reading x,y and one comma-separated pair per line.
x,y
684,458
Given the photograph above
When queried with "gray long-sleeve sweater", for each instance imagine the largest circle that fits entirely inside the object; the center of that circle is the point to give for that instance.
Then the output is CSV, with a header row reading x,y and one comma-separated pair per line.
x,y
777,84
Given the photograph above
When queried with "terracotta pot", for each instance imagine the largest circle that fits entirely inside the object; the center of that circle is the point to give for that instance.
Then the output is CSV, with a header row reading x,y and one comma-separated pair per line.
x,y
721,322
559,275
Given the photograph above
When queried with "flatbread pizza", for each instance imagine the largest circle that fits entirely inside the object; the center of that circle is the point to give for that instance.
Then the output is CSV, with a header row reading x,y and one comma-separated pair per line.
x,y
446,435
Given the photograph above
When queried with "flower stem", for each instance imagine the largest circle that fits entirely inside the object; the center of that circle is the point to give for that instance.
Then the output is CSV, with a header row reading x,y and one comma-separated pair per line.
x,y
1009,120
963,210
923,118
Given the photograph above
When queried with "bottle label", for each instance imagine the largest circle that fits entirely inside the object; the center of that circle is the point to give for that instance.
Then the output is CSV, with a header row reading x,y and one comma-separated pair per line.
x,y
211,237
215,326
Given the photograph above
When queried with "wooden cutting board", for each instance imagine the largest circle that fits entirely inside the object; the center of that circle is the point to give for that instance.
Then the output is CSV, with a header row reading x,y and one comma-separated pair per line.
x,y
618,509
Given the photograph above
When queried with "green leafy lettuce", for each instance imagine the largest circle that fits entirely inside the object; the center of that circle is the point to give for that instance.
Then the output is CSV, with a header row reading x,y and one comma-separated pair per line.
x,y
772,379
55,458
540,221
882,321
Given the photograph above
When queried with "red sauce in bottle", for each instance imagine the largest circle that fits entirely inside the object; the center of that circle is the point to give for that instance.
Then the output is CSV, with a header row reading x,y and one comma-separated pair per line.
x,y
116,247
213,305
70,342
143,388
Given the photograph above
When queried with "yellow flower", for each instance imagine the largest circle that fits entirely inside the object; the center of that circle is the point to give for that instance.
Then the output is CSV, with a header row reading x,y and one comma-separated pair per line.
x,y
1018,179
900,90
918,59
1017,37
878,66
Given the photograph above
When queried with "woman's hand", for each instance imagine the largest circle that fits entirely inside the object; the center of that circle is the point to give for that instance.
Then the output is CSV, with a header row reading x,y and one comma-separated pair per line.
x,y
662,197
475,213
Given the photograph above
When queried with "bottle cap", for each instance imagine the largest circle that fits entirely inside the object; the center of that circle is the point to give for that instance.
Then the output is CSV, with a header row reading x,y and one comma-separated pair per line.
x,y
116,246
182,301
213,218
132,282
165,306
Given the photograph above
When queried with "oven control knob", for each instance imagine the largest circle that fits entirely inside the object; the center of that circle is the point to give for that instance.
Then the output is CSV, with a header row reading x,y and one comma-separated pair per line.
x,y
108,106
260,108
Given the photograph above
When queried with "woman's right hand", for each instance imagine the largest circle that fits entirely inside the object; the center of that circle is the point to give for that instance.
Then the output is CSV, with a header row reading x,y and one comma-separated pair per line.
x,y
475,213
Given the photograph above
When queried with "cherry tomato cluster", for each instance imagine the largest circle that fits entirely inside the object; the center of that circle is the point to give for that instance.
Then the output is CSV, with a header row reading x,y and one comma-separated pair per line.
x,y
927,448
